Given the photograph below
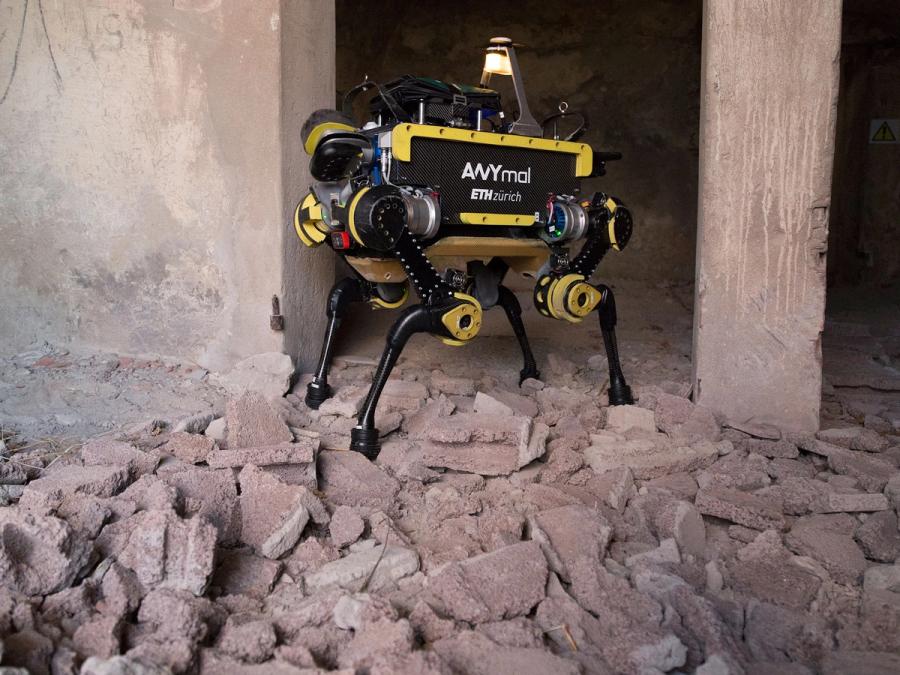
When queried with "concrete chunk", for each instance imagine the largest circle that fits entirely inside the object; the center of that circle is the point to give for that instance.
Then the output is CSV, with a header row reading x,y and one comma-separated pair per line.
x,y
302,452
504,403
402,396
253,422
39,555
268,374
382,568
173,614
622,418
377,645
683,523
782,448
879,537
346,526
499,585
855,438
484,444
834,502
273,513
217,429
243,573
473,653
666,552
100,637
882,578
247,638
828,539
682,419
649,459
479,428
861,663
97,480
452,386
346,402
350,479
195,424
766,570
568,533
190,448
165,551
871,472
210,494
740,507
107,452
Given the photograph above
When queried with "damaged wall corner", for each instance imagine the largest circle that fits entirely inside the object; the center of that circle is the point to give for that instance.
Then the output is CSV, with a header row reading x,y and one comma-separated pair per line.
x,y
768,111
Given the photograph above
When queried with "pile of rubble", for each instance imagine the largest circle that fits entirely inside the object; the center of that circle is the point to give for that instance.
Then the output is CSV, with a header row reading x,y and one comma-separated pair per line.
x,y
522,531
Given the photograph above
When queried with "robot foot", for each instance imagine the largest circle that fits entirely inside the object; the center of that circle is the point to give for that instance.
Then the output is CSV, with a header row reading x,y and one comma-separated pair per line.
x,y
365,441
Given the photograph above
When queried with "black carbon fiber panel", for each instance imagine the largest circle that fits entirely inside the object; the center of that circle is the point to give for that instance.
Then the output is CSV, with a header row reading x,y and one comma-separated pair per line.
x,y
478,178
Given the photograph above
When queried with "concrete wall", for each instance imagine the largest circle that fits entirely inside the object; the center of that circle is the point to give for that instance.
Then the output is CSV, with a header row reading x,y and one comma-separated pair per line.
x,y
770,83
634,67
143,204
864,231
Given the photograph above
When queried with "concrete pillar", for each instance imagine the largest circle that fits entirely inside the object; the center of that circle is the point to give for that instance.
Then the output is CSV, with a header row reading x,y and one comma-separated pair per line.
x,y
768,109
307,83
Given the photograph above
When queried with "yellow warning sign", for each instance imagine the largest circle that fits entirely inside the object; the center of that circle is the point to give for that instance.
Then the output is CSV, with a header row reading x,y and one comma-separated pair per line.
x,y
884,131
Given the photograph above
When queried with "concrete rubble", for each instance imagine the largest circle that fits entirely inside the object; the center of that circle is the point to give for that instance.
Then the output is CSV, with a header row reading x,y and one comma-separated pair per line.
x,y
503,529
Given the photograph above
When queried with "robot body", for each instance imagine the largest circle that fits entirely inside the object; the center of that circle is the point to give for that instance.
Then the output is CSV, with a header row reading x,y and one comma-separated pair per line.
x,y
438,180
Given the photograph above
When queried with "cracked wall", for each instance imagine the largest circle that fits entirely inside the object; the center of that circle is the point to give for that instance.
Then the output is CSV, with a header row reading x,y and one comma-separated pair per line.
x,y
141,175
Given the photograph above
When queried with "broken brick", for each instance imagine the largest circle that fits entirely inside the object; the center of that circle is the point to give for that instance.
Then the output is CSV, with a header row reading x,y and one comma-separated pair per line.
x,y
622,418
273,513
483,444
871,472
649,459
247,638
568,533
253,422
373,568
39,555
829,540
834,502
504,403
166,551
854,438
190,448
346,526
210,494
452,386
107,452
96,480
740,507
498,585
350,479
879,537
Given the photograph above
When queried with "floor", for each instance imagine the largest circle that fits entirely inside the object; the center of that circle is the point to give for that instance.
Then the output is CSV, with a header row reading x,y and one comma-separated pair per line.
x,y
543,533
49,393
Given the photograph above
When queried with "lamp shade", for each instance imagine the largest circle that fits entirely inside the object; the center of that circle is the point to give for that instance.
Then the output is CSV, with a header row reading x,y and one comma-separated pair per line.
x,y
497,63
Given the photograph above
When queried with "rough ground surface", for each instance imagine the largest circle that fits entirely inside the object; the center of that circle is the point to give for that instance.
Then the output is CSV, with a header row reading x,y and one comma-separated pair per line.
x,y
49,392
565,539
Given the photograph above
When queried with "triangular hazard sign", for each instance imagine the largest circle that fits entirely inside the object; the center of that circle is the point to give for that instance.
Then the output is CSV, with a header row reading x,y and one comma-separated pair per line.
x,y
885,134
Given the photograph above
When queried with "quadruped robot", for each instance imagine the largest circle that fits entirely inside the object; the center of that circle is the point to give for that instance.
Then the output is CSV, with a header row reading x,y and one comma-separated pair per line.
x,y
439,179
